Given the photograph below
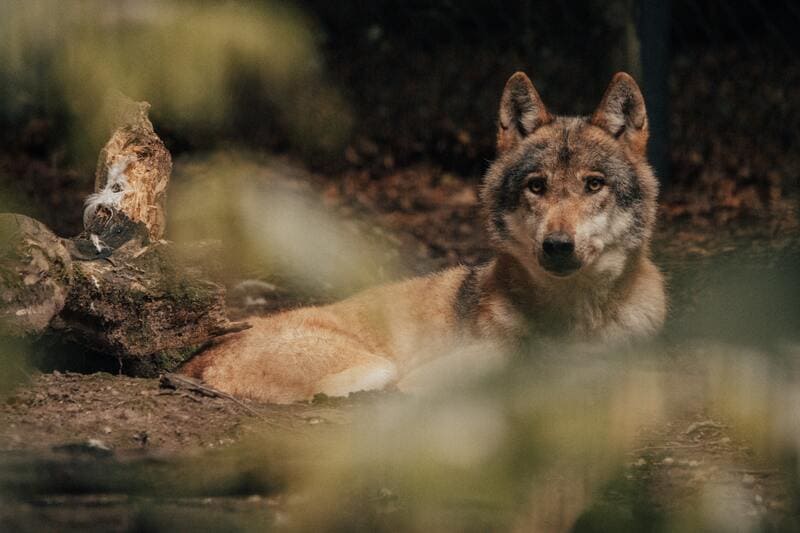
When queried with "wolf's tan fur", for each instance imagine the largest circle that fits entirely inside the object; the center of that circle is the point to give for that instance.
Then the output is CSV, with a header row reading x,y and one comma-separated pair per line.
x,y
384,335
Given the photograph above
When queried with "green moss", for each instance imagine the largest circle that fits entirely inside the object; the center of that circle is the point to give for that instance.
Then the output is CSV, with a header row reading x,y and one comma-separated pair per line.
x,y
10,278
191,294
158,363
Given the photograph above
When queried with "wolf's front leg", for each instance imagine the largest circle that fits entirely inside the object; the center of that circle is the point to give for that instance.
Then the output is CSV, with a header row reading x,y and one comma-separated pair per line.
x,y
371,373
291,357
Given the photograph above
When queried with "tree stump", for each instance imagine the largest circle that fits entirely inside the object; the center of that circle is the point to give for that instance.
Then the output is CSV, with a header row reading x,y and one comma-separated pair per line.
x,y
116,288
132,171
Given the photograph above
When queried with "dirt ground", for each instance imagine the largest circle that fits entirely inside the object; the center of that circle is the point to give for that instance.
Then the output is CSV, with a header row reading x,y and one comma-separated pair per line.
x,y
61,423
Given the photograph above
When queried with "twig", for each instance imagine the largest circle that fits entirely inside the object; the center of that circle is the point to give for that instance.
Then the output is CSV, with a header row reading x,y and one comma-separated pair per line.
x,y
703,425
140,252
135,268
231,327
760,473
668,447
174,381
189,396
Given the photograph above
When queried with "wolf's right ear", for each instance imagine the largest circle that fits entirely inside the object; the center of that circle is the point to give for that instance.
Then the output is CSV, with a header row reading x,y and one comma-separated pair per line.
x,y
521,112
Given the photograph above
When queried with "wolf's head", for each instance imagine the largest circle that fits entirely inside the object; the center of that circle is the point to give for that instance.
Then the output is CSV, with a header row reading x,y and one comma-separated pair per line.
x,y
571,195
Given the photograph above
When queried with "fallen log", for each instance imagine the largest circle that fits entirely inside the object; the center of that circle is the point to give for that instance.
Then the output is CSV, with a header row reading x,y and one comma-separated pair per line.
x,y
35,275
117,288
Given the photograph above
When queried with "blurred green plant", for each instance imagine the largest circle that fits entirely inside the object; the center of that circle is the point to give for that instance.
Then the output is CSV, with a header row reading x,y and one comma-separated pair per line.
x,y
15,366
181,56
11,201
272,227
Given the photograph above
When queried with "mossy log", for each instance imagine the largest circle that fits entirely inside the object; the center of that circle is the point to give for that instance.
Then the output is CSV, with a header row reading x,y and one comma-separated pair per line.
x,y
116,288
142,309
35,275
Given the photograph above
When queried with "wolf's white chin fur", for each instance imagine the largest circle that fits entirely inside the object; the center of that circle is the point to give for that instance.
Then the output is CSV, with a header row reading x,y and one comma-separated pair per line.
x,y
611,263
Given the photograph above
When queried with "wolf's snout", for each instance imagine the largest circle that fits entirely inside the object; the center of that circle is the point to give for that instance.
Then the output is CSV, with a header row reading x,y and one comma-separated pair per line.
x,y
558,254
558,245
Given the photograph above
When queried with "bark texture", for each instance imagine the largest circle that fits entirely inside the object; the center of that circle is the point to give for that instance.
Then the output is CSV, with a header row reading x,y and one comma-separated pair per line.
x,y
133,169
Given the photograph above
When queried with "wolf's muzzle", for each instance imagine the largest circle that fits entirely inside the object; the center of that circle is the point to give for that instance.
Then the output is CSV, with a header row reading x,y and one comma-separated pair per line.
x,y
558,254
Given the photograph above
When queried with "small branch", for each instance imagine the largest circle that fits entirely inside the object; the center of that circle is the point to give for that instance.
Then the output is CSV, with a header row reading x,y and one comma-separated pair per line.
x,y
178,381
668,447
759,473
233,327
706,424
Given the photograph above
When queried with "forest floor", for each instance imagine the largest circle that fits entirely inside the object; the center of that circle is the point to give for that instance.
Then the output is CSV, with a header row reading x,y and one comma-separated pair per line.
x,y
59,422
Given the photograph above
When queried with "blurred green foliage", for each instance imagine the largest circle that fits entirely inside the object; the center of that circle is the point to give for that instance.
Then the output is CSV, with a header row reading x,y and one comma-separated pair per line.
x,y
273,227
62,59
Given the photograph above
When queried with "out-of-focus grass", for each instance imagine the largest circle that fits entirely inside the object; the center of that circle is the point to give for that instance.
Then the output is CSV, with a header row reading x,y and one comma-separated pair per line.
x,y
14,360
15,367
273,227
181,56
529,448
11,201
525,449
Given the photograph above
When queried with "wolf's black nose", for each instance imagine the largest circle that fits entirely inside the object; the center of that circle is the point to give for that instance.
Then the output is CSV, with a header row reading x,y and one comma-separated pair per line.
x,y
558,246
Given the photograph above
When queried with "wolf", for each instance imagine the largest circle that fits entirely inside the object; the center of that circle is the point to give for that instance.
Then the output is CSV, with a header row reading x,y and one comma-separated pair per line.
x,y
569,205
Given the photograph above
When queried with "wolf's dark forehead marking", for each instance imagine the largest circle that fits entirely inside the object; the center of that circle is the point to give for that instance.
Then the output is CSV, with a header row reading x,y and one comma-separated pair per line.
x,y
564,151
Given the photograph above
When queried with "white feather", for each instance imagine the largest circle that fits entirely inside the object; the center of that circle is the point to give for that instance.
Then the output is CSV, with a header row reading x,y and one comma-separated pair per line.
x,y
98,244
111,195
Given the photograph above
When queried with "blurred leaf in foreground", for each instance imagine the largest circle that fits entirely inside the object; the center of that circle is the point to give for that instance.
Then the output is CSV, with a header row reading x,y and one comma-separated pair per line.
x,y
180,56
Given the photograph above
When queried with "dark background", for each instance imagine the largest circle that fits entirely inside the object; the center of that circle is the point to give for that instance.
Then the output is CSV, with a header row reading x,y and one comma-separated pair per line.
x,y
423,80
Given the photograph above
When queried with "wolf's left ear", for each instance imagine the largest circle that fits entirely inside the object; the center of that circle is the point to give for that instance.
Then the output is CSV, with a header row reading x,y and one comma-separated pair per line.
x,y
622,113
521,112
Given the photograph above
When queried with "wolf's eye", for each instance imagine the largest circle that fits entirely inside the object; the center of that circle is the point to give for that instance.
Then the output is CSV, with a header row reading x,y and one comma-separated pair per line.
x,y
594,183
537,185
